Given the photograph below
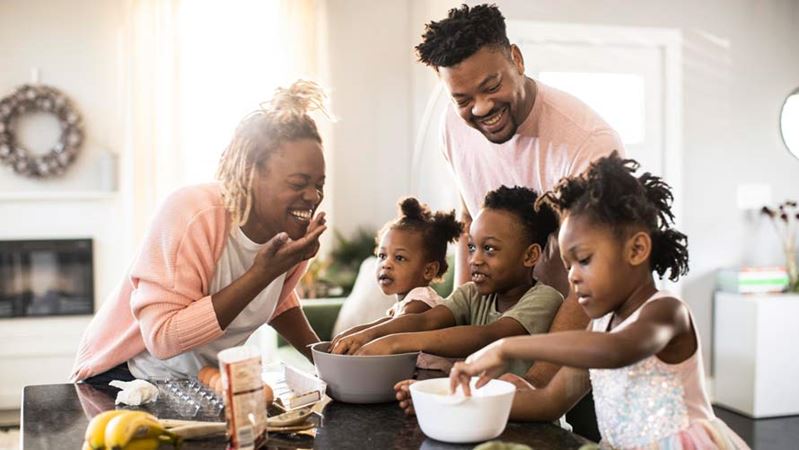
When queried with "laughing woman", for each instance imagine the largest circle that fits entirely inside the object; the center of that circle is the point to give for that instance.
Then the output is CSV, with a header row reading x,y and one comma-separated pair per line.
x,y
221,259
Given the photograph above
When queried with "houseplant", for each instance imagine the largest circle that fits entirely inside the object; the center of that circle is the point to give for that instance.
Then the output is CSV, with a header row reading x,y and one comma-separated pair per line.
x,y
785,218
334,275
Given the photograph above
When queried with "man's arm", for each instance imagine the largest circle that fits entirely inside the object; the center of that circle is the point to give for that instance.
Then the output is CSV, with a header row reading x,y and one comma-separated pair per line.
x,y
570,315
461,249
551,402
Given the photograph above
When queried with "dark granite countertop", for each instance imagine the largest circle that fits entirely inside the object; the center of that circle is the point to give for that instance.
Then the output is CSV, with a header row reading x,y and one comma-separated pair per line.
x,y
55,417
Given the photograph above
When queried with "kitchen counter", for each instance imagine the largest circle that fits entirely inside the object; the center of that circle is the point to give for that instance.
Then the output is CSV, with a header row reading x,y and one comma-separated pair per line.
x,y
55,416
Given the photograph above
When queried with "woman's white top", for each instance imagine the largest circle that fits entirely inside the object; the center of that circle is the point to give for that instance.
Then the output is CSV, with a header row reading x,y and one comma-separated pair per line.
x,y
236,259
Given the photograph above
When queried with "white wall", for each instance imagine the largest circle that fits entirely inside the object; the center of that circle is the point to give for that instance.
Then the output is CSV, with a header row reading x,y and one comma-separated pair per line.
x,y
370,78
739,64
75,46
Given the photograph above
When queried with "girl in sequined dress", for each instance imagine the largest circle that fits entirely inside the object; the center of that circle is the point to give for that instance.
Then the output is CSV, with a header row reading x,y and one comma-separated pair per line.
x,y
641,354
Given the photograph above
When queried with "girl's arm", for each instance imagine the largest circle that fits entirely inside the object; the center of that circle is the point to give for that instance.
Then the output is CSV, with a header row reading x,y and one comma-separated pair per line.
x,y
435,318
658,323
454,342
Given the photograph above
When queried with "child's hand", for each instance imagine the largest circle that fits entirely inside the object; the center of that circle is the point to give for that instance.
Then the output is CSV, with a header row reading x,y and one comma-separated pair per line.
x,y
382,346
341,336
347,332
348,345
487,363
404,396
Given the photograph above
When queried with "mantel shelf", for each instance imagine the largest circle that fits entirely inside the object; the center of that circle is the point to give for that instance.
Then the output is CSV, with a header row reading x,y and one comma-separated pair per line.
x,y
56,195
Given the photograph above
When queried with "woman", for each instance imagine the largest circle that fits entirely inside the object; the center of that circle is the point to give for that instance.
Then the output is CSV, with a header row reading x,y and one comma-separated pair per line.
x,y
220,259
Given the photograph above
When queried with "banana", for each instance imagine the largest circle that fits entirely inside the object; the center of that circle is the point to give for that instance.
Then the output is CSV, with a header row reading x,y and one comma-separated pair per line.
x,y
95,432
124,428
199,430
143,444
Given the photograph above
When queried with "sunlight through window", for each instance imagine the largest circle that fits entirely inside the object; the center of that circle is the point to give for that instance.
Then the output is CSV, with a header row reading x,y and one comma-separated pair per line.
x,y
617,97
231,59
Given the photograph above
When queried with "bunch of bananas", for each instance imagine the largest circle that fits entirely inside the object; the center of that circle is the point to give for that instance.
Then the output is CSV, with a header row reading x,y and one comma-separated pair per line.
x,y
122,429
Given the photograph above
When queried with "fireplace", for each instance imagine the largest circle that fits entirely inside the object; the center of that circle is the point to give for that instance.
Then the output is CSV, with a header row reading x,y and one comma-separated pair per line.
x,y
52,277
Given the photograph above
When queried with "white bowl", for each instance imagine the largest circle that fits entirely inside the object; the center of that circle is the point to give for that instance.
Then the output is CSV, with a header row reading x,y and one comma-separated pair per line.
x,y
459,419
362,379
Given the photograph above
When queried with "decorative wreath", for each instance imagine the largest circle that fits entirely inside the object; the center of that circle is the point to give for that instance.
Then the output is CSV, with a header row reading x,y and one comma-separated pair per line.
x,y
31,98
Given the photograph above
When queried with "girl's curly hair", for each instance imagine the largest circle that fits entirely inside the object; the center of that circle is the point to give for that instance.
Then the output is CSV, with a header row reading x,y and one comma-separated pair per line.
x,y
610,194
538,223
437,229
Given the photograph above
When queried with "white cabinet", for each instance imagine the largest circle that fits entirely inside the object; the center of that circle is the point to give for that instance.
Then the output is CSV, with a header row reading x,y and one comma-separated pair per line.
x,y
756,353
36,351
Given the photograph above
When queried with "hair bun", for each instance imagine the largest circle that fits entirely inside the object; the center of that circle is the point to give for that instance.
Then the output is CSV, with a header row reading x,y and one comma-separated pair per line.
x,y
446,226
300,98
411,209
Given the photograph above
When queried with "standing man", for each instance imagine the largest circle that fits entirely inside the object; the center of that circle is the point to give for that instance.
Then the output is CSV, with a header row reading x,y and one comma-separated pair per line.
x,y
505,128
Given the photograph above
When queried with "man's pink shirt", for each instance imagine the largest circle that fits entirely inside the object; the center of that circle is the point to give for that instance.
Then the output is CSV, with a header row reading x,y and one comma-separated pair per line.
x,y
560,137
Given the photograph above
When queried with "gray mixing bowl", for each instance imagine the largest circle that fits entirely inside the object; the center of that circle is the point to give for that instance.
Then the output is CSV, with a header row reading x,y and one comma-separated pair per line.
x,y
362,379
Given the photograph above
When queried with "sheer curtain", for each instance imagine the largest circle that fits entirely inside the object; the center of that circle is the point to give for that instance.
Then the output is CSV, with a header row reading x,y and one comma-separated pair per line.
x,y
192,70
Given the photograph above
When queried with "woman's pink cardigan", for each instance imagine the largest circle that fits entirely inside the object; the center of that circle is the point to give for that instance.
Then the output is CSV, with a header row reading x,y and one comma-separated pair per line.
x,y
163,304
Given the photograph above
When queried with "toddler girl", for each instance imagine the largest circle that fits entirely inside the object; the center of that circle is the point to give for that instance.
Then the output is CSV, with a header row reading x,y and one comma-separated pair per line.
x,y
411,253
641,353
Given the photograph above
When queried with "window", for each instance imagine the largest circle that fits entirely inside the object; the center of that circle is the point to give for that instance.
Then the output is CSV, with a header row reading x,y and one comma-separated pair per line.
x,y
617,97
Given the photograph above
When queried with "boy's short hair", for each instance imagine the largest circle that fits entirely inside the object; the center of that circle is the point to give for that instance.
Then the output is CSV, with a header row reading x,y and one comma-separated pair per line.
x,y
538,223
465,31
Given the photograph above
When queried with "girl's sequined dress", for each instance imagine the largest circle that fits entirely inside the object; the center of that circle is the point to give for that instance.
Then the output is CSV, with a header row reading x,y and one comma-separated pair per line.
x,y
653,404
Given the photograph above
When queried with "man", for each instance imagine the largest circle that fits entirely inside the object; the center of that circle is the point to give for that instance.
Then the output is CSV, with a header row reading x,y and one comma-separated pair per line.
x,y
506,128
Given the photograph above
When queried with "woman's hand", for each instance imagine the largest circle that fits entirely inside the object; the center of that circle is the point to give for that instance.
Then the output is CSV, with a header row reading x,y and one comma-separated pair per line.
x,y
348,345
317,226
281,253
487,363
403,394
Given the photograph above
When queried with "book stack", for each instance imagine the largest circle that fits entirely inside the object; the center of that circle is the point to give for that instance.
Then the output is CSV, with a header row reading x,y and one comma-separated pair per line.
x,y
753,280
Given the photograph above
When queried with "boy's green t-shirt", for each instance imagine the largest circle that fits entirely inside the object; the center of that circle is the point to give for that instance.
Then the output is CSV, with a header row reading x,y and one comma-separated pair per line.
x,y
534,311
